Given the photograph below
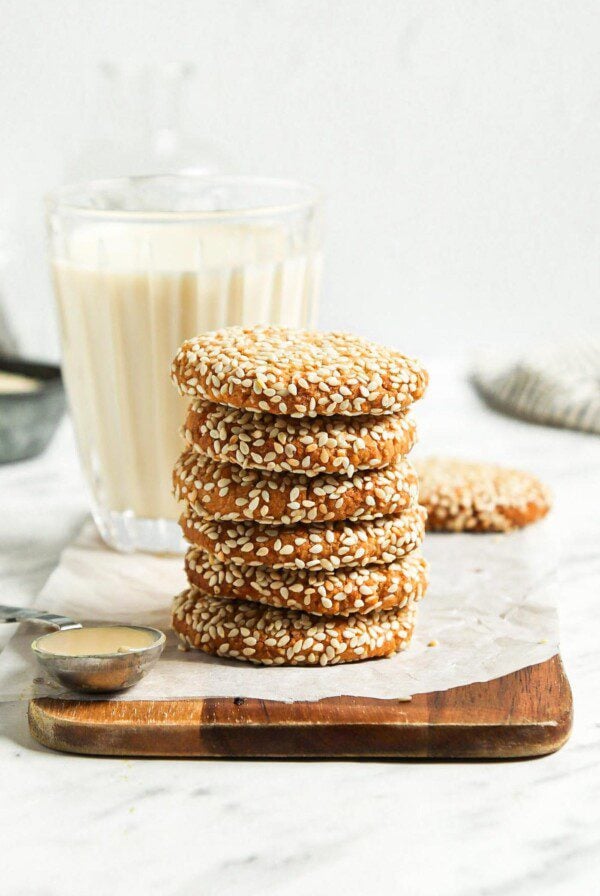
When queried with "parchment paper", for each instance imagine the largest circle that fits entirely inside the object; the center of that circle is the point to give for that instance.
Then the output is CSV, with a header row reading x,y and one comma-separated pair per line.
x,y
490,607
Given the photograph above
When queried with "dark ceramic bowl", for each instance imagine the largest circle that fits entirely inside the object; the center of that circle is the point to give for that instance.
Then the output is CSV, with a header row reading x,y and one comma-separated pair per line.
x,y
28,420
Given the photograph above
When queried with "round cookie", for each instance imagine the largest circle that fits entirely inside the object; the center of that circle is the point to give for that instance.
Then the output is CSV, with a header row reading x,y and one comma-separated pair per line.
x,y
285,444
297,372
475,497
224,491
346,591
275,637
308,546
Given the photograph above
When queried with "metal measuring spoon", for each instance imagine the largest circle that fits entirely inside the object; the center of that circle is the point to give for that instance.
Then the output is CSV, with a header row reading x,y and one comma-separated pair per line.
x,y
88,672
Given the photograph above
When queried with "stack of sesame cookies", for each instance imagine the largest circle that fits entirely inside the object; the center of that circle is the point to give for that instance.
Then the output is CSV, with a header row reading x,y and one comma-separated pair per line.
x,y
299,504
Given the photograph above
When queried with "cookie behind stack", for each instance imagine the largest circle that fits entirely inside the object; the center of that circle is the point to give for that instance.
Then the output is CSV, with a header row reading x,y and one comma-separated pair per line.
x,y
463,496
299,504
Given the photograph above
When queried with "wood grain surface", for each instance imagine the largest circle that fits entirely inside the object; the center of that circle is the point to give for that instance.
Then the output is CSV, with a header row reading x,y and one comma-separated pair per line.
x,y
527,713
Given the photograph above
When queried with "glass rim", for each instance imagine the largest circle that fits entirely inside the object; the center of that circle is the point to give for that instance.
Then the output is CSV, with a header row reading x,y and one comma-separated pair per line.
x,y
63,199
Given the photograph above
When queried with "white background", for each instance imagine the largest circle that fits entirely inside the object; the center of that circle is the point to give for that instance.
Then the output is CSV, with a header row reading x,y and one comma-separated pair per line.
x,y
458,144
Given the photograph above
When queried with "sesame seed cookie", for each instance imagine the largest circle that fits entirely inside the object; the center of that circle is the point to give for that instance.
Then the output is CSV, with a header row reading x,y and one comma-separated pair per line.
x,y
276,637
308,546
297,372
224,491
463,496
286,444
359,590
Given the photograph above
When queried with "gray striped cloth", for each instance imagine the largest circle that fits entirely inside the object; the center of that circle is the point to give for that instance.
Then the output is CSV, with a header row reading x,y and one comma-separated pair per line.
x,y
558,385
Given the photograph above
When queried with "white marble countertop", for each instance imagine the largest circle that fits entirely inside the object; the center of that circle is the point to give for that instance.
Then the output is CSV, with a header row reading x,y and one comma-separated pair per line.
x,y
73,825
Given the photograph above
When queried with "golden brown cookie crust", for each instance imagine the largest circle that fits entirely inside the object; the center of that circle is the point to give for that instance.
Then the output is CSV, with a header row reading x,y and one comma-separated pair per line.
x,y
308,546
224,491
346,591
462,496
297,372
273,636
286,444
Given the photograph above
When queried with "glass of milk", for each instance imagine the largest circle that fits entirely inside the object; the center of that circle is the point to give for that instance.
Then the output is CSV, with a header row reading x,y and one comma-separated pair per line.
x,y
140,264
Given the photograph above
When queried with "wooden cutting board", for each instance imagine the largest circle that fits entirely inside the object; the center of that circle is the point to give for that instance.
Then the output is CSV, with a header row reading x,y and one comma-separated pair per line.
x,y
527,713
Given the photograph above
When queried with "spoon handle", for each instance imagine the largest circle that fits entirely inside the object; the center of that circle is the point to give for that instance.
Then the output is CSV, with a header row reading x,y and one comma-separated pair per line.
x,y
20,614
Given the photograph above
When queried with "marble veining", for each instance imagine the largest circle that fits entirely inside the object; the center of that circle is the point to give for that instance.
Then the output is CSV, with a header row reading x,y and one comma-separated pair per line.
x,y
123,826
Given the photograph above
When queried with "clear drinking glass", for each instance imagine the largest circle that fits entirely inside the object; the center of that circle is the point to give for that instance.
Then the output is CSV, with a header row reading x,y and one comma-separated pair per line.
x,y
139,265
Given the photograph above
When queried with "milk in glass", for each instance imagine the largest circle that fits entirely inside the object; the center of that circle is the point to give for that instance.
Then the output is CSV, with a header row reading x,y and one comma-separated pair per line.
x,y
129,293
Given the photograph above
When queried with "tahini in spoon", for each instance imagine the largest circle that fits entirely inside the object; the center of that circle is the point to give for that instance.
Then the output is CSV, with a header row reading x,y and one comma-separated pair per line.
x,y
94,659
